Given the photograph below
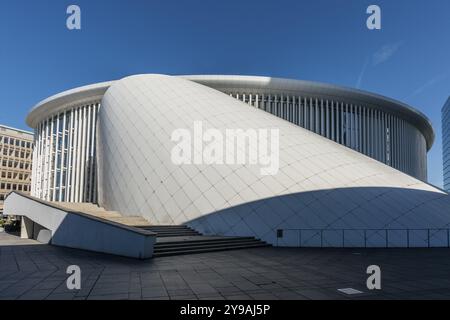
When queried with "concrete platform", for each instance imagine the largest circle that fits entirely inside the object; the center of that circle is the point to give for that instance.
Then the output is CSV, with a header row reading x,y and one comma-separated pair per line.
x,y
35,271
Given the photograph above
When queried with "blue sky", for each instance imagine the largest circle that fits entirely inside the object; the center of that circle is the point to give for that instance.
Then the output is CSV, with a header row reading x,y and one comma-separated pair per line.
x,y
322,40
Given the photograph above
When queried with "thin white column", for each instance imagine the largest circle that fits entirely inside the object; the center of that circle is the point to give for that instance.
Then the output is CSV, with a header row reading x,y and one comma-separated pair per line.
x,y
332,121
69,196
55,158
86,160
76,155
83,156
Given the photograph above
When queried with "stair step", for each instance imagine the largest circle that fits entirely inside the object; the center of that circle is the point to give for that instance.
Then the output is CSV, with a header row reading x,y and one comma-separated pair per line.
x,y
171,235
206,245
193,242
173,231
205,250
167,227
169,231
197,244
177,234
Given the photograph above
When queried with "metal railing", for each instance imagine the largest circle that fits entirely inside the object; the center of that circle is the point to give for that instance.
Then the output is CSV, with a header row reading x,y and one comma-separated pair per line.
x,y
419,237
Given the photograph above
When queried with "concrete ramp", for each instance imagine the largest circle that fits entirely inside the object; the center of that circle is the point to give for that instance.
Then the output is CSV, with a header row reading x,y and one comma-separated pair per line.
x,y
99,212
81,226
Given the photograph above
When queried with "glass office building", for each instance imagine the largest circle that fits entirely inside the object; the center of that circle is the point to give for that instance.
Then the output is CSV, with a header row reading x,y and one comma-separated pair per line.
x,y
446,144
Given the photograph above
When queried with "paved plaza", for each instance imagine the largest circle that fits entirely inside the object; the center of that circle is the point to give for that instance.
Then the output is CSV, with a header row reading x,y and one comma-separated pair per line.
x,y
29,270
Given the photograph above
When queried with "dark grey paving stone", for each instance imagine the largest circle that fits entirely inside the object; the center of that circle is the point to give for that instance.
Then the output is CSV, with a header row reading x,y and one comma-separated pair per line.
x,y
134,296
315,294
123,296
35,295
183,297
156,298
210,297
263,296
15,291
154,292
265,273
61,296
180,292
47,284
238,297
289,295
200,289
229,290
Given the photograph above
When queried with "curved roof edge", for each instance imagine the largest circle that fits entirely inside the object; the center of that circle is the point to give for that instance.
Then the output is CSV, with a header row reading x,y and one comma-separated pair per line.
x,y
278,85
90,93
65,100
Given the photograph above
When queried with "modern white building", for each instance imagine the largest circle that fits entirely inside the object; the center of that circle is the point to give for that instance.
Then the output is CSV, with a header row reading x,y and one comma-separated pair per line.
x,y
351,164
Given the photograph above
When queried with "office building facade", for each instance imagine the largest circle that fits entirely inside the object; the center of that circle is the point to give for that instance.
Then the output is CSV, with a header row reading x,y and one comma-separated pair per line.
x,y
16,147
446,144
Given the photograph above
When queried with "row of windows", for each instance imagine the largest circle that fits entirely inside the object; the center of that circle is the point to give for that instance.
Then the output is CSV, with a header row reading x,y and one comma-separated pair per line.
x,y
14,187
15,153
16,165
15,175
15,142
446,110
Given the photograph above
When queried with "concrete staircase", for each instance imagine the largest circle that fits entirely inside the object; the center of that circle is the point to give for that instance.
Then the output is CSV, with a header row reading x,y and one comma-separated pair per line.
x,y
178,240
171,239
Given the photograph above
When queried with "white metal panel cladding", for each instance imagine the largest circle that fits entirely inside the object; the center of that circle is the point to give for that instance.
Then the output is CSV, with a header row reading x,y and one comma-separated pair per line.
x,y
358,127
332,195
64,159
64,156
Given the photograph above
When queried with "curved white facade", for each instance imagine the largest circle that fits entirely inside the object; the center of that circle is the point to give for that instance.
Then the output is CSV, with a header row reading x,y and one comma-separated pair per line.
x,y
384,129
381,128
324,193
